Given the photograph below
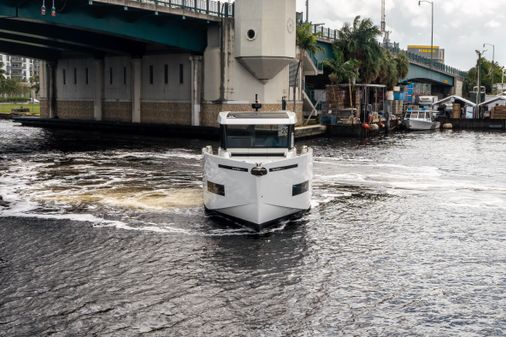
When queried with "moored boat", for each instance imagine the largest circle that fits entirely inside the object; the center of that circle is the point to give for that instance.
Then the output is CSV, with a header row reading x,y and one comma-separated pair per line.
x,y
256,175
420,120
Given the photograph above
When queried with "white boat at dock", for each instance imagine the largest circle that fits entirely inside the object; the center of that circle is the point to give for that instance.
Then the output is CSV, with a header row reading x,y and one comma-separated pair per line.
x,y
420,120
256,175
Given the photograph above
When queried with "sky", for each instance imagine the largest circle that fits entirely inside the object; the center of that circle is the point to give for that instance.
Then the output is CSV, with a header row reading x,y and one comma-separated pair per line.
x,y
460,26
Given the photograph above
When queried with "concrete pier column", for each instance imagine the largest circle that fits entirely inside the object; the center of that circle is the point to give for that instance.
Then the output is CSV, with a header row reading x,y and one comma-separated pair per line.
x,y
136,89
44,89
99,90
196,88
51,89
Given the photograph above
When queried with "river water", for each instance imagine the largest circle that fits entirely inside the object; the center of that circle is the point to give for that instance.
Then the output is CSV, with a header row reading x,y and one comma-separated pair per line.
x,y
105,235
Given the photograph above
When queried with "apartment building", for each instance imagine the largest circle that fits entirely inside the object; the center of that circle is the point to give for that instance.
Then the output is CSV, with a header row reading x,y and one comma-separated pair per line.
x,y
20,68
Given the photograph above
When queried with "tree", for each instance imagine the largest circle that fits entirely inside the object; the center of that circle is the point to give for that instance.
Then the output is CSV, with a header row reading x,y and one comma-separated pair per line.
x,y
392,68
490,74
359,41
341,70
2,71
402,62
307,42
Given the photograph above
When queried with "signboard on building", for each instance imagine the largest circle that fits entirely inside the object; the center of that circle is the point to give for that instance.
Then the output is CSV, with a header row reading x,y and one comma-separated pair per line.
x,y
424,51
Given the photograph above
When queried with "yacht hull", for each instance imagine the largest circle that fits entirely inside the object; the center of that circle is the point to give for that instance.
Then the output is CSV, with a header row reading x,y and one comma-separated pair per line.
x,y
421,125
282,189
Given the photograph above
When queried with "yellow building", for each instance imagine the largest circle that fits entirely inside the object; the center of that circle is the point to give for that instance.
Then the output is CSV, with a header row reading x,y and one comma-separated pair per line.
x,y
425,51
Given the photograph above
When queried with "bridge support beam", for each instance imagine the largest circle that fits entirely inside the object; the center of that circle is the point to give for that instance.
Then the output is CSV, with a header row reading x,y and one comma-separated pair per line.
x,y
51,86
99,90
196,88
136,89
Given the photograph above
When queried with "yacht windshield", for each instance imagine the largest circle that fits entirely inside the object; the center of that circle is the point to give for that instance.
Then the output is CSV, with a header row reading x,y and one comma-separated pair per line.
x,y
257,136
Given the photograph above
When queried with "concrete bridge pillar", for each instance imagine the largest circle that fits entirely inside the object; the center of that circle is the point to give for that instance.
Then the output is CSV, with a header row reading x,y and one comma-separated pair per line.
x,y
99,90
136,89
196,88
51,89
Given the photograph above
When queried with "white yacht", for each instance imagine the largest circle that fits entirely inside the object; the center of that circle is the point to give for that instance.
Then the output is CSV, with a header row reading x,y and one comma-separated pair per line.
x,y
256,175
419,120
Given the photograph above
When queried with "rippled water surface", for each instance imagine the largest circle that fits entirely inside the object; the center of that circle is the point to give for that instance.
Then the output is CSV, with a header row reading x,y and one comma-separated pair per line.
x,y
106,236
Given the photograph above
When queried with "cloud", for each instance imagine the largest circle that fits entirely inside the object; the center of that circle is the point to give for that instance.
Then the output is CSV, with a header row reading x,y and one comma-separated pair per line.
x,y
460,26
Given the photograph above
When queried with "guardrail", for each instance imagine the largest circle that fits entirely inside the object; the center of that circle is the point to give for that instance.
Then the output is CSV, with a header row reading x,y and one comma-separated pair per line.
x,y
333,34
208,7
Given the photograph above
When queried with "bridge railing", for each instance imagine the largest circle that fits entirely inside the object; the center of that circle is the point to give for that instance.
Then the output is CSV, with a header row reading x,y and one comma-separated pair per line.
x,y
333,34
208,7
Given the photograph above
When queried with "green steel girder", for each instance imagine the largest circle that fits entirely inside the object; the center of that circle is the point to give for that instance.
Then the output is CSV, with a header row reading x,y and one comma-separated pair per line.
x,y
49,44
421,73
29,51
109,20
416,72
73,39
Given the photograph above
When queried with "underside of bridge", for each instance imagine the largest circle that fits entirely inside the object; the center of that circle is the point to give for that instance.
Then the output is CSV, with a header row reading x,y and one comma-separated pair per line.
x,y
87,28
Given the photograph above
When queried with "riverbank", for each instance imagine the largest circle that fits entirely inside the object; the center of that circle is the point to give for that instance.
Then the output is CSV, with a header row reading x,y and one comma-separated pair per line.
x,y
13,110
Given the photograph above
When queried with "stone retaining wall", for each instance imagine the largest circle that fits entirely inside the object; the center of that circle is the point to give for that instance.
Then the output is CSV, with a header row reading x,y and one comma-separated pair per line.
x,y
166,113
75,110
117,111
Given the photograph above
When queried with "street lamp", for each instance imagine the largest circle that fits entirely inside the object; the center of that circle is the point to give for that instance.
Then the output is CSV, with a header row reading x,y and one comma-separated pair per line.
x,y
432,29
493,60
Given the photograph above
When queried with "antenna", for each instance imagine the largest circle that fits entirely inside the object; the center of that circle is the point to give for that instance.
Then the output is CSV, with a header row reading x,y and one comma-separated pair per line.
x,y
383,28
383,17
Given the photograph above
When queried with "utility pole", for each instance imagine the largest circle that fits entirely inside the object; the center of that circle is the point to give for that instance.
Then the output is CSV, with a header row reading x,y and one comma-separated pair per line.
x,y
478,83
492,73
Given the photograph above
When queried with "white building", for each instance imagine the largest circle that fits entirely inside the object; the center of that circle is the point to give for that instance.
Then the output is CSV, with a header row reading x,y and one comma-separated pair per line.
x,y
18,67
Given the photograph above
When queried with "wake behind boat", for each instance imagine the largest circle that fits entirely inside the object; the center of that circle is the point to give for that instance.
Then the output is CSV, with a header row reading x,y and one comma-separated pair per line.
x,y
256,175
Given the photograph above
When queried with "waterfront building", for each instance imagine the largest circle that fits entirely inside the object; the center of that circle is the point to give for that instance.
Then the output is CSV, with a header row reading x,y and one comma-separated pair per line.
x,y
20,68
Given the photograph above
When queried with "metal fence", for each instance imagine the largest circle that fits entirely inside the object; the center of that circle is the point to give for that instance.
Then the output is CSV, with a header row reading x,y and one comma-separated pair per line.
x,y
208,7
333,34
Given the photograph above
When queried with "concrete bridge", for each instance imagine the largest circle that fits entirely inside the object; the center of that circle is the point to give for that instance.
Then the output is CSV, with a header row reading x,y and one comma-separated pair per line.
x,y
153,61
165,61
444,79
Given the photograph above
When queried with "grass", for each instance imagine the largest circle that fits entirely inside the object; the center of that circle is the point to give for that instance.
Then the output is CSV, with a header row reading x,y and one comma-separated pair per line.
x,y
6,108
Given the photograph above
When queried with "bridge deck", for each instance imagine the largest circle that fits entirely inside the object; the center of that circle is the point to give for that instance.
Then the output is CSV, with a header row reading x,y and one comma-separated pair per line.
x,y
198,9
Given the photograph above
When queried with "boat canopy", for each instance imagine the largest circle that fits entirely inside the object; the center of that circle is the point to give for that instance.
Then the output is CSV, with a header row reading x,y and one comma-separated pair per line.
x,y
454,98
257,118
493,100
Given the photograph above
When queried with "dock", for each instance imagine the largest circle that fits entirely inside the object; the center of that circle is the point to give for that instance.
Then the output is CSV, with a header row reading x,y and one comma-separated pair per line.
x,y
160,130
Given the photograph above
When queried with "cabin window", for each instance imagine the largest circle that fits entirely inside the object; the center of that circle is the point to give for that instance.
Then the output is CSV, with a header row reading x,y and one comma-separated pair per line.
x,y
110,75
151,75
86,75
75,76
124,75
64,77
216,188
166,74
181,74
257,136
300,188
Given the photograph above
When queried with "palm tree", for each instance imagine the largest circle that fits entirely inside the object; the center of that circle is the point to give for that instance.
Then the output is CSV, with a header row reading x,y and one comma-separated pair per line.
x,y
342,70
359,41
402,65
307,42
392,68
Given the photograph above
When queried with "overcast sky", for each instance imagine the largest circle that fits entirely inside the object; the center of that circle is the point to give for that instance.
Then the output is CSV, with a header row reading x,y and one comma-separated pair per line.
x,y
460,26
